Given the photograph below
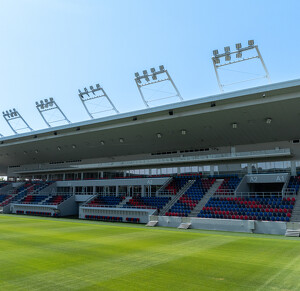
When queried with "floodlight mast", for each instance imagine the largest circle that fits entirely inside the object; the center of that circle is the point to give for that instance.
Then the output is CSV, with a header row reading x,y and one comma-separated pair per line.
x,y
47,105
239,50
13,114
88,95
146,78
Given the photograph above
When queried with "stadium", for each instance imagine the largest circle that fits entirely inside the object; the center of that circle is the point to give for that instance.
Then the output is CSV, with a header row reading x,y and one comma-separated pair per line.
x,y
199,194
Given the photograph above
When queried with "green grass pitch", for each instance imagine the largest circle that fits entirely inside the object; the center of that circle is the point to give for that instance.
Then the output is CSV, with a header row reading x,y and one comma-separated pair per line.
x,y
61,254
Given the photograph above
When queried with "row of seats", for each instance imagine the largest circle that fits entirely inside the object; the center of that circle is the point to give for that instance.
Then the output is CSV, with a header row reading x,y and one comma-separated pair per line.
x,y
104,218
147,202
33,199
106,201
56,199
132,219
270,209
36,213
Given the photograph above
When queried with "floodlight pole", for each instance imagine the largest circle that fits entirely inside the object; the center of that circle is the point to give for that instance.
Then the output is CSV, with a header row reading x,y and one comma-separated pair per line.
x,y
171,80
141,93
217,75
102,95
263,63
147,82
238,52
47,106
12,115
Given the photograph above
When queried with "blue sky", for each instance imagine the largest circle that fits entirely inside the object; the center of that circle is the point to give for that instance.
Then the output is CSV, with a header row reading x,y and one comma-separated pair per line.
x,y
51,48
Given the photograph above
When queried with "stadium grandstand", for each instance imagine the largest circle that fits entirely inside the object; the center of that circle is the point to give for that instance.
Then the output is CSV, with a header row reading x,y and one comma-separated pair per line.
x,y
224,162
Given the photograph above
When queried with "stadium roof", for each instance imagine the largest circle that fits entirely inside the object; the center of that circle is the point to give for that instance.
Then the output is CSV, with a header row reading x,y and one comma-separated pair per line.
x,y
206,122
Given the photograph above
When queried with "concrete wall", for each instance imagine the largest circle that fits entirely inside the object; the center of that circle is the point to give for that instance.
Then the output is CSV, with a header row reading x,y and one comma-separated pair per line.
x,y
142,214
235,225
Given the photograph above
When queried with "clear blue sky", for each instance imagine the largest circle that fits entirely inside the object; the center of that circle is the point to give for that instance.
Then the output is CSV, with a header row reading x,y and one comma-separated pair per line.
x,y
54,47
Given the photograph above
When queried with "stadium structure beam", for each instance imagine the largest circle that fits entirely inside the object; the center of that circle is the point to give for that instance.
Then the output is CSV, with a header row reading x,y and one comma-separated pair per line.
x,y
47,105
238,53
144,80
12,115
89,95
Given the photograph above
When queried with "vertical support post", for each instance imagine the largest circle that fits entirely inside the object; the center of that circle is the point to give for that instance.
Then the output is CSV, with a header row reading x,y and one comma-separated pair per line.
x,y
263,63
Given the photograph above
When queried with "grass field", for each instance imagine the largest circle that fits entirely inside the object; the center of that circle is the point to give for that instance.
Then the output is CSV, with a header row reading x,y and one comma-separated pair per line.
x,y
60,254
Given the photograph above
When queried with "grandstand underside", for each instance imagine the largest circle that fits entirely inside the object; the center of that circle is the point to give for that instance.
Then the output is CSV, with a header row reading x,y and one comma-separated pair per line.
x,y
225,162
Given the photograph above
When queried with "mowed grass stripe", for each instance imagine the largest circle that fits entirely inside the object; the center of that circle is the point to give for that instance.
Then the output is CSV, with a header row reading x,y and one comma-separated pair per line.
x,y
48,254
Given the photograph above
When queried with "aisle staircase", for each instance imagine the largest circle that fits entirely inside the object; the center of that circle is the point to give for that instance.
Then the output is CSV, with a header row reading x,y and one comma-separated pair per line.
x,y
211,191
174,199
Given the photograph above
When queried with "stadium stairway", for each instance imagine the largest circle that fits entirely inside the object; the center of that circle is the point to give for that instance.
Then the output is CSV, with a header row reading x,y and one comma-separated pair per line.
x,y
296,211
174,199
123,202
206,197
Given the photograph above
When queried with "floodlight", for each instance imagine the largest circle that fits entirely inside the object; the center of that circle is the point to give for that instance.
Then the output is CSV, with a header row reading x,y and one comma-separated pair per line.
x,y
227,57
136,74
154,77
251,42
91,87
145,72
85,90
79,91
51,99
238,46
215,52
139,81
42,102
147,79
217,60
152,70
268,120
238,55
98,86
227,49
161,67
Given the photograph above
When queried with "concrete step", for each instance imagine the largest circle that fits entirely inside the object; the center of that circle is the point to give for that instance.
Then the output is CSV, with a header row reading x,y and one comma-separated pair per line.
x,y
292,232
152,223
184,225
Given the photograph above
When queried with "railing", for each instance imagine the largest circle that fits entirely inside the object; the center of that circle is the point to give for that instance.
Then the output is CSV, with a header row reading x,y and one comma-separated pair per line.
x,y
263,194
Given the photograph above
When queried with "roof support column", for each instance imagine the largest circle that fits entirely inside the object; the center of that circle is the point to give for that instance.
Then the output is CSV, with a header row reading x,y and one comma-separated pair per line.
x,y
293,168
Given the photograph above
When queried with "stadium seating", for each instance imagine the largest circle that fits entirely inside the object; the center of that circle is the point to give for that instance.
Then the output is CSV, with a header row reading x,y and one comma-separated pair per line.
x,y
228,186
176,184
104,218
56,199
294,185
33,199
105,201
191,198
147,202
250,208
